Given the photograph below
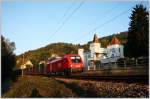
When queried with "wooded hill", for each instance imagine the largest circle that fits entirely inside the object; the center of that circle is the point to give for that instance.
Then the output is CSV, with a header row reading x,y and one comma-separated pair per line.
x,y
60,49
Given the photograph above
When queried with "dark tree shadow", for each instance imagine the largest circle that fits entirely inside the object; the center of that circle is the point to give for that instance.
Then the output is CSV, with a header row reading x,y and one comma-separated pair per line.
x,y
35,93
79,91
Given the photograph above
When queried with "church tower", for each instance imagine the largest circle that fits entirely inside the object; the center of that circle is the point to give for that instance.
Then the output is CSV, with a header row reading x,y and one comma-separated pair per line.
x,y
95,48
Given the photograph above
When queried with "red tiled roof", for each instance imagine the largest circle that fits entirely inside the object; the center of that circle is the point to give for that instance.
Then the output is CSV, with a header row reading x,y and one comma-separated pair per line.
x,y
115,40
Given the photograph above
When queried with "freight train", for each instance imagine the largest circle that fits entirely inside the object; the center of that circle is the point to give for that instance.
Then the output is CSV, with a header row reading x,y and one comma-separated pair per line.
x,y
66,65
72,63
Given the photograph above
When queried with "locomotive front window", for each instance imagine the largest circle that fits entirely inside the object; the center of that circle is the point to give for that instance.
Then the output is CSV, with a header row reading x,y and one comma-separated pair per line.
x,y
75,59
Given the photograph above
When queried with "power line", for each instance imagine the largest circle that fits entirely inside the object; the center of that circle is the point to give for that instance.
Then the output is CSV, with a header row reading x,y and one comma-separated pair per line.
x,y
67,11
107,11
101,25
63,23
64,15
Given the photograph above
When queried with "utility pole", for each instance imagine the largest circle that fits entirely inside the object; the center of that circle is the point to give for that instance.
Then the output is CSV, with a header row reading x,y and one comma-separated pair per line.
x,y
22,65
93,63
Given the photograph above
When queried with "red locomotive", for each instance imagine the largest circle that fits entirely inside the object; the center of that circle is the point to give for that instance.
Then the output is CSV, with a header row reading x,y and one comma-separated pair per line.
x,y
66,65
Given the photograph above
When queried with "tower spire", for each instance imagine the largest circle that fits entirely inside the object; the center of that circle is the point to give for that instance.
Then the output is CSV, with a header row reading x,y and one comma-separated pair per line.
x,y
95,39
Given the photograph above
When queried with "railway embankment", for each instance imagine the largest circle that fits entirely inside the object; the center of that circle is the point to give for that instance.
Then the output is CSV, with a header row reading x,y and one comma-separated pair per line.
x,y
37,86
40,86
106,89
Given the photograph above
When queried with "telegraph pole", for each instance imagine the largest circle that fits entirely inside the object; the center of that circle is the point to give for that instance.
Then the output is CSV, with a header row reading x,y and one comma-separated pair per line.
x,y
22,65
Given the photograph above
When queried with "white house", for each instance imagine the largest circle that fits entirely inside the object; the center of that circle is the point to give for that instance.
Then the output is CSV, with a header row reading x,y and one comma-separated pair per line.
x,y
112,53
115,49
96,51
27,64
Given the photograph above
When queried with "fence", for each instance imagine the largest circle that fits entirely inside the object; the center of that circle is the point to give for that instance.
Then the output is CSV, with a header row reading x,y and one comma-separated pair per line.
x,y
122,67
123,62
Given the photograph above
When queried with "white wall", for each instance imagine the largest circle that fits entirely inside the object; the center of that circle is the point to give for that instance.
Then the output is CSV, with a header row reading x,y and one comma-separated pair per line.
x,y
87,55
94,48
80,52
115,50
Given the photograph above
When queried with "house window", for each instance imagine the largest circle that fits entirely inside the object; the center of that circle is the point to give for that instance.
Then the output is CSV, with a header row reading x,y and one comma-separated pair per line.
x,y
119,49
112,55
113,50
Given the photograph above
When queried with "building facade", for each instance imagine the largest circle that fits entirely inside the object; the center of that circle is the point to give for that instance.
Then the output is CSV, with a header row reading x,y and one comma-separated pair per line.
x,y
112,53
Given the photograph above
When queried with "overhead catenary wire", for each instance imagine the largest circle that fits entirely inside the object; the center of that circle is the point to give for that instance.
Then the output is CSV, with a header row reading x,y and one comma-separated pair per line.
x,y
66,12
101,25
64,22
107,11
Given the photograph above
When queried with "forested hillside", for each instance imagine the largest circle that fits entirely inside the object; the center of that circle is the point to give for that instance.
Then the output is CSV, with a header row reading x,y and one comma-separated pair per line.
x,y
60,49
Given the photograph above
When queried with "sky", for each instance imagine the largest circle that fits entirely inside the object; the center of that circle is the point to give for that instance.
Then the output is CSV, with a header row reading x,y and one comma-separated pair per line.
x,y
32,25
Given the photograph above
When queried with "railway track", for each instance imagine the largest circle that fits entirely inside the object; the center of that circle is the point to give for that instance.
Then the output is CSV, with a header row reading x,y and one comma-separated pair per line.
x,y
129,79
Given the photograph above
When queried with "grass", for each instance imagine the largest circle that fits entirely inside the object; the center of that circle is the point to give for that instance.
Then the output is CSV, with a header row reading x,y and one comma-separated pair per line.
x,y
38,86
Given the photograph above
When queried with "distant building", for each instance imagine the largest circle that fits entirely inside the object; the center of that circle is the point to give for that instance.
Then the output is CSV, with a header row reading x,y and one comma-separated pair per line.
x,y
27,64
112,53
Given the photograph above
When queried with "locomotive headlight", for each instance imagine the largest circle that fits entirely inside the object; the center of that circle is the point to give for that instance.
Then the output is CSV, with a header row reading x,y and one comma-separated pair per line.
x,y
70,65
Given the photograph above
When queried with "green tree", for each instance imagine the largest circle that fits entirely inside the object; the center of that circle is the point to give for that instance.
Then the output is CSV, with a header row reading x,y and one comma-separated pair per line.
x,y
8,59
138,34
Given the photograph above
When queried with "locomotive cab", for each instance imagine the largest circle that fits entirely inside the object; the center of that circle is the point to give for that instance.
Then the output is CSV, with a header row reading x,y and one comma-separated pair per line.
x,y
73,64
68,64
